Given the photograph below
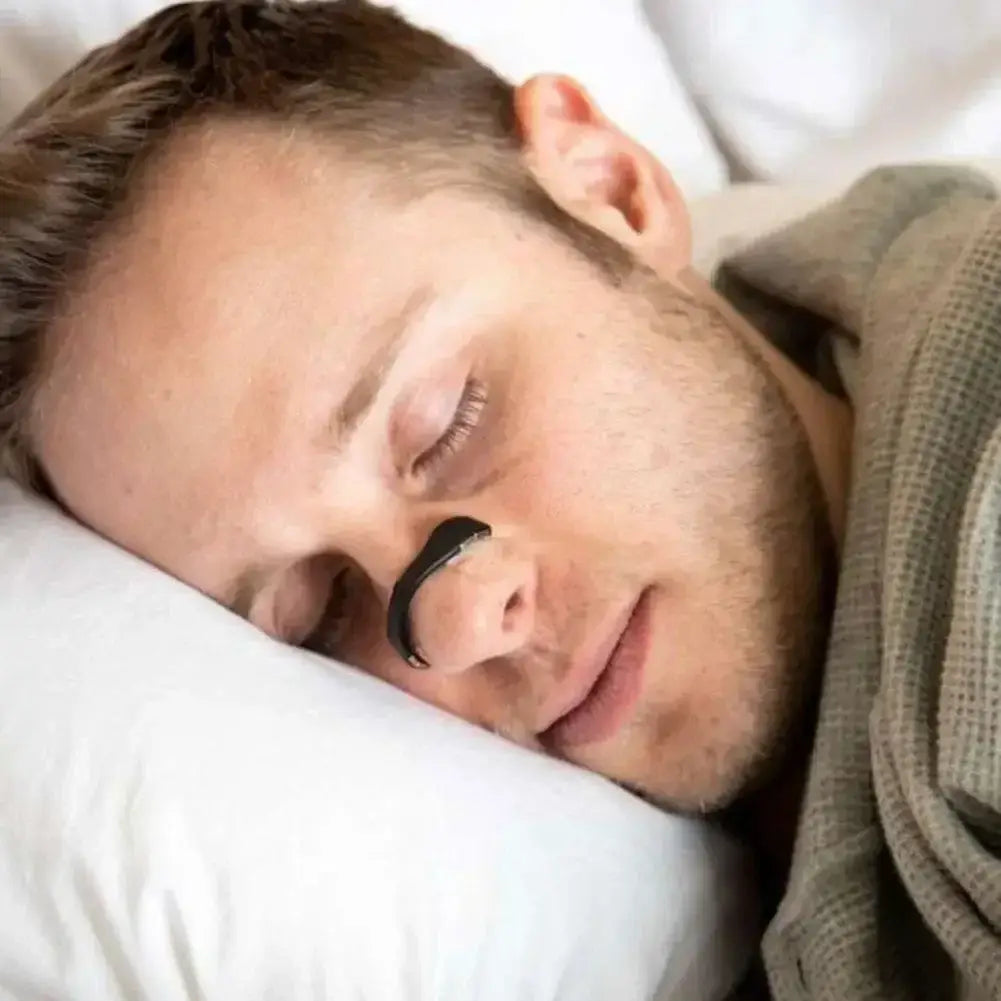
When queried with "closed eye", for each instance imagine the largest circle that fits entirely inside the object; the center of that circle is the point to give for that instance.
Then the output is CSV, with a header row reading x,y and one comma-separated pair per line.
x,y
467,416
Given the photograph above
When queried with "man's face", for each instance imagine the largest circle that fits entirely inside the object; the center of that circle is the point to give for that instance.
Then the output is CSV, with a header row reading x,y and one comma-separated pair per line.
x,y
282,380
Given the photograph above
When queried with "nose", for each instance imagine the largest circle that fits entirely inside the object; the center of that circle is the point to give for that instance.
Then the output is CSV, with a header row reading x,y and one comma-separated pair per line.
x,y
478,607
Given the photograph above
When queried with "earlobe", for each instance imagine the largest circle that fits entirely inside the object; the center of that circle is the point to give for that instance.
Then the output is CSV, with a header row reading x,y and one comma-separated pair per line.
x,y
597,173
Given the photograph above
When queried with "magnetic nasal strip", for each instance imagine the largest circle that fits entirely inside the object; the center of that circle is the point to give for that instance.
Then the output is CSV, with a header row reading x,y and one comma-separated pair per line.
x,y
444,544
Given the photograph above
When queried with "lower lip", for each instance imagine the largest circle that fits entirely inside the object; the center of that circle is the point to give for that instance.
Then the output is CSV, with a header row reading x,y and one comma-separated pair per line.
x,y
614,694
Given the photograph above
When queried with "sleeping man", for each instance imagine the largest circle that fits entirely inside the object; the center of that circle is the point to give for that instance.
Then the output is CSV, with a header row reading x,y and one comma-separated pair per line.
x,y
289,291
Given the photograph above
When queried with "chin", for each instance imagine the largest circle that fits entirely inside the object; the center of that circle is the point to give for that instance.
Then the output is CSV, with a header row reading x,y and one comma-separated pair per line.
x,y
699,798
689,773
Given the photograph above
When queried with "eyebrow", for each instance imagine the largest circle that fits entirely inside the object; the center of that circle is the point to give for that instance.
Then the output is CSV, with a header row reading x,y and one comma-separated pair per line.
x,y
390,335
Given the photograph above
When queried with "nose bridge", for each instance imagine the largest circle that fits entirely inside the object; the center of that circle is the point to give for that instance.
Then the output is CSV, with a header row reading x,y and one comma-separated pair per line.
x,y
384,549
385,552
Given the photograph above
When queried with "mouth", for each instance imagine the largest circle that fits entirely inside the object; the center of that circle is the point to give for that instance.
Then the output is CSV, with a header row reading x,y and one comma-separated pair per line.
x,y
603,700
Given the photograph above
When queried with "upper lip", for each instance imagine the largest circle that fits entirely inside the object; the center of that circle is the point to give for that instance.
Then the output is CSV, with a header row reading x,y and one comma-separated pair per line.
x,y
585,670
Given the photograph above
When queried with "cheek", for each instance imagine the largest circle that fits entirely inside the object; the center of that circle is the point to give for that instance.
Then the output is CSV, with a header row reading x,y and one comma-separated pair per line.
x,y
637,457
598,460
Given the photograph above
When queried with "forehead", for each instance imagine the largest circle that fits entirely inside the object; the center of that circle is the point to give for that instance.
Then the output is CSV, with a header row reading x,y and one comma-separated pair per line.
x,y
223,278
252,279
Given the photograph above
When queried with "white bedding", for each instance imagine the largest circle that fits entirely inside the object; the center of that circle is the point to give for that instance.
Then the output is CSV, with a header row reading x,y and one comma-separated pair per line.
x,y
189,810
816,90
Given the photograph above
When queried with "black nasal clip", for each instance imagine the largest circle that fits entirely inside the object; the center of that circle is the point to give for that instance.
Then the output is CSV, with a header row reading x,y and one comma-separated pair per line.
x,y
449,539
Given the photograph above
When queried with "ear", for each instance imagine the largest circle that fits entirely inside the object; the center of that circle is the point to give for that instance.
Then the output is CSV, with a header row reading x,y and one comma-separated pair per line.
x,y
594,171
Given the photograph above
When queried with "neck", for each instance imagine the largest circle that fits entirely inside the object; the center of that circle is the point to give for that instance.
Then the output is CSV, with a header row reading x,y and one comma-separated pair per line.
x,y
767,821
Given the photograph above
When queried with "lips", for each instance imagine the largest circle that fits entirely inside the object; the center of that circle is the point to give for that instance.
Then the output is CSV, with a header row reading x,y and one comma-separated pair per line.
x,y
601,699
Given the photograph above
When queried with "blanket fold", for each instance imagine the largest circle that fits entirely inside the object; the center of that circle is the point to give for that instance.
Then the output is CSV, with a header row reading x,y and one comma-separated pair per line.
x,y
895,889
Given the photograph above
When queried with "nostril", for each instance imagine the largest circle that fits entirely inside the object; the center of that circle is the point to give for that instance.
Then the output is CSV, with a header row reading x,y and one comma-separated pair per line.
x,y
513,606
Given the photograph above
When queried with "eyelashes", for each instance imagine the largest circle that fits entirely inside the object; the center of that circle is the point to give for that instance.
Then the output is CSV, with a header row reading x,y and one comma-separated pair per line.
x,y
467,416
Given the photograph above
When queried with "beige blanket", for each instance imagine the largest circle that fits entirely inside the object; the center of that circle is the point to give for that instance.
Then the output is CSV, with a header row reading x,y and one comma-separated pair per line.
x,y
895,889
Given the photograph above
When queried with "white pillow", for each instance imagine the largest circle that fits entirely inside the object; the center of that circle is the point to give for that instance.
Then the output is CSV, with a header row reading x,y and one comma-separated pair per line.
x,y
805,90
189,810
608,46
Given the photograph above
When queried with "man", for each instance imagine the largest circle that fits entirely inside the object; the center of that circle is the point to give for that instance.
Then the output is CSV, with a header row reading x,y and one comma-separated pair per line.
x,y
285,287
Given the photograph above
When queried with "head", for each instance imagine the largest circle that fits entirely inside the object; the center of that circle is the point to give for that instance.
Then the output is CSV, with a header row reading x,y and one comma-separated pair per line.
x,y
283,286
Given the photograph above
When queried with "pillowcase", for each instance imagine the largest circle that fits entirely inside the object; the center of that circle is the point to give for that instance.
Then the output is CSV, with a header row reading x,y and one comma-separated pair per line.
x,y
191,810
608,46
809,90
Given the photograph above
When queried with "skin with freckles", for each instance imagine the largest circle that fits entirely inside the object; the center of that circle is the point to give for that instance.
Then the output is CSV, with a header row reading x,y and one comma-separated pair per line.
x,y
279,378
